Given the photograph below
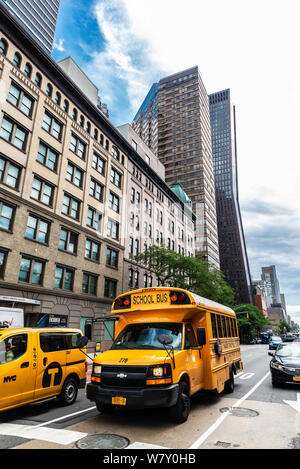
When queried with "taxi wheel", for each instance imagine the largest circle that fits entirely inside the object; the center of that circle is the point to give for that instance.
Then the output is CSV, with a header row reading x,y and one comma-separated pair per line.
x,y
69,392
105,408
180,411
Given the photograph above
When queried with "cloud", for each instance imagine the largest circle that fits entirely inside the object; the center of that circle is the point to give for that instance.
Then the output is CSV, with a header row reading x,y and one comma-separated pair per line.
x,y
59,45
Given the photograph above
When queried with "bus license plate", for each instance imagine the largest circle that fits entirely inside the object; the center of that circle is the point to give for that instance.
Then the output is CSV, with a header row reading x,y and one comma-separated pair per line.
x,y
118,400
296,378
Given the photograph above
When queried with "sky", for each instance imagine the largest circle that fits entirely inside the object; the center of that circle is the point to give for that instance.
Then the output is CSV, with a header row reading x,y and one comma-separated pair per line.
x,y
125,46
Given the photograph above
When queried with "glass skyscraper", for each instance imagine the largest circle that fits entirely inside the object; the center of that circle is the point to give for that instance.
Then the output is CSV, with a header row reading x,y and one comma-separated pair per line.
x,y
232,247
38,17
173,121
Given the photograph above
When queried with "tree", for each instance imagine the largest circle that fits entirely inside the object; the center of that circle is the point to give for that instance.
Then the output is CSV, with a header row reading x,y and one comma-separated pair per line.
x,y
250,320
190,273
283,327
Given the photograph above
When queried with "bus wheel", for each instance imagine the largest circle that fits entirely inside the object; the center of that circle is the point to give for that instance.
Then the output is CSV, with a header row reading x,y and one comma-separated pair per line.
x,y
105,408
69,392
229,384
180,411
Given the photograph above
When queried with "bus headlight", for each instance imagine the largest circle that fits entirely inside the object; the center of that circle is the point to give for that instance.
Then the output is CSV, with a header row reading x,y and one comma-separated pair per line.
x,y
158,372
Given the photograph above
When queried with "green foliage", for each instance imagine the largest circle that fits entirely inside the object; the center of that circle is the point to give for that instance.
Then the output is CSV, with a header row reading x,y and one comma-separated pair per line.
x,y
191,273
250,326
283,327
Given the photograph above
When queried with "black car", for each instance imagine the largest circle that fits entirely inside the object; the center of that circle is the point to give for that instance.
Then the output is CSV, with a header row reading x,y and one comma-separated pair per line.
x,y
285,364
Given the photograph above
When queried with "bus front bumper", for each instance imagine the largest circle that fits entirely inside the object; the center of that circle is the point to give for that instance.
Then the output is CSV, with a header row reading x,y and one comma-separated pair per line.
x,y
163,396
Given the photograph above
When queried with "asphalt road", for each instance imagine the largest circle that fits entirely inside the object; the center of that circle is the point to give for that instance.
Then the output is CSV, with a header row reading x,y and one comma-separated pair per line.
x,y
255,416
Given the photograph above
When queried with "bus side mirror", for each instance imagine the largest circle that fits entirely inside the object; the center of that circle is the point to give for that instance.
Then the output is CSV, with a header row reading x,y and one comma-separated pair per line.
x,y
82,341
201,336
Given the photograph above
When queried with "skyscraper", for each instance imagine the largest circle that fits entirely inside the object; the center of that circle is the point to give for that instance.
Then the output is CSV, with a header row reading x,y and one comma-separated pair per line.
x,y
38,18
270,279
232,247
174,122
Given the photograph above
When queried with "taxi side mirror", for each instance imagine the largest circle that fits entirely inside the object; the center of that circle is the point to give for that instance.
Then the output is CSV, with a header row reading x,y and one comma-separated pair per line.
x,y
82,341
201,336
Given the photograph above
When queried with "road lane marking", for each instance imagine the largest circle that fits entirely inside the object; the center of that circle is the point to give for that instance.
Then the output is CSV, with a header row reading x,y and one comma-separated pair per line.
x,y
64,417
246,376
52,435
218,422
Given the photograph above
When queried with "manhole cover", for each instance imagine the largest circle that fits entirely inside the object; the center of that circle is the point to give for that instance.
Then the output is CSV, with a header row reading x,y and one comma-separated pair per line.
x,y
240,412
103,441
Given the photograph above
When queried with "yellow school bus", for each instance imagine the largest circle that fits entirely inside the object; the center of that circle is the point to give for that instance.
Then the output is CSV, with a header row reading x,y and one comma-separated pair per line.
x,y
168,345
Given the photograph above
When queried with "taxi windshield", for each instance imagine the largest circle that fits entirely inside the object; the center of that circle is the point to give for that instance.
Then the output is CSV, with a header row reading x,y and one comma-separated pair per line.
x,y
145,336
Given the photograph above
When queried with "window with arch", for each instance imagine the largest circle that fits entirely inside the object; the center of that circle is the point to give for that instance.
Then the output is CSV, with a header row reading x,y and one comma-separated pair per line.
x,y
101,139
88,127
74,114
49,90
66,105
38,80
57,98
81,120
115,153
3,46
95,134
106,145
17,60
28,70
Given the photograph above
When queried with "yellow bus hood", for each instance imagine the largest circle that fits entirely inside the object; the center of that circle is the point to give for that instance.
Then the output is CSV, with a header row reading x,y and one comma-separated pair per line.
x,y
132,357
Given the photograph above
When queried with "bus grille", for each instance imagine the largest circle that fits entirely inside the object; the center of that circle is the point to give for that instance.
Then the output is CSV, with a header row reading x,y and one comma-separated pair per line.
x,y
123,376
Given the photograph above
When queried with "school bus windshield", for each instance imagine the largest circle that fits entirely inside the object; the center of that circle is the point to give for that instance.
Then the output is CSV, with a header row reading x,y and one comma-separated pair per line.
x,y
145,336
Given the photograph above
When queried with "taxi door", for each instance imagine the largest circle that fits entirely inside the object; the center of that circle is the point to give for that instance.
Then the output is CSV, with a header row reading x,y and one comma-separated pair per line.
x,y
17,372
51,364
194,360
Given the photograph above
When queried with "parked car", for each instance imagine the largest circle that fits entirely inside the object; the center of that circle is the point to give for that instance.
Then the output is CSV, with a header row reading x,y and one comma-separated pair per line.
x,y
285,364
274,341
289,338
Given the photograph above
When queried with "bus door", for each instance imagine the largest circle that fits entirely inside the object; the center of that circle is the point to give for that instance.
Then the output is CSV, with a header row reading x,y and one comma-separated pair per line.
x,y
194,359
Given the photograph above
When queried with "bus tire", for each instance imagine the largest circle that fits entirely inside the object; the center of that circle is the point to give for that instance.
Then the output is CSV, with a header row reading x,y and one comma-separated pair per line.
x,y
105,408
180,411
229,384
69,392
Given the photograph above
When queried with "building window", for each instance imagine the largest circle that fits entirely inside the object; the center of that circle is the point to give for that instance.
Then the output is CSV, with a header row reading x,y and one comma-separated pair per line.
x,y
136,247
130,245
115,153
77,146
147,160
14,133
98,164
96,189
74,114
31,271
3,46
42,191
92,250
86,325
114,202
52,126
3,259
112,257
38,80
110,288
68,241
113,229
37,229
9,173
81,120
134,145
132,195
71,206
136,279
57,98
47,156
115,177
20,99
17,60
66,106
145,280
130,278
6,216
88,127
28,70
74,175
89,284
93,218
64,278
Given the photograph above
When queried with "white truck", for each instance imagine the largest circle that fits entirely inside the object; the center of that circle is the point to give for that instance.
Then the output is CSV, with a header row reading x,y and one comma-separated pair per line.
x,y
11,317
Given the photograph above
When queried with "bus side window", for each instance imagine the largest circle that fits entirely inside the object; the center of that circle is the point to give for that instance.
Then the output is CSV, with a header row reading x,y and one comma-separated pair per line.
x,y
228,327
236,328
225,334
214,325
190,339
220,333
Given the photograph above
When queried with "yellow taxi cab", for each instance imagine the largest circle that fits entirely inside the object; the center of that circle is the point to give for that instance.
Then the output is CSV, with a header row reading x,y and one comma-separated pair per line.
x,y
36,364
169,344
